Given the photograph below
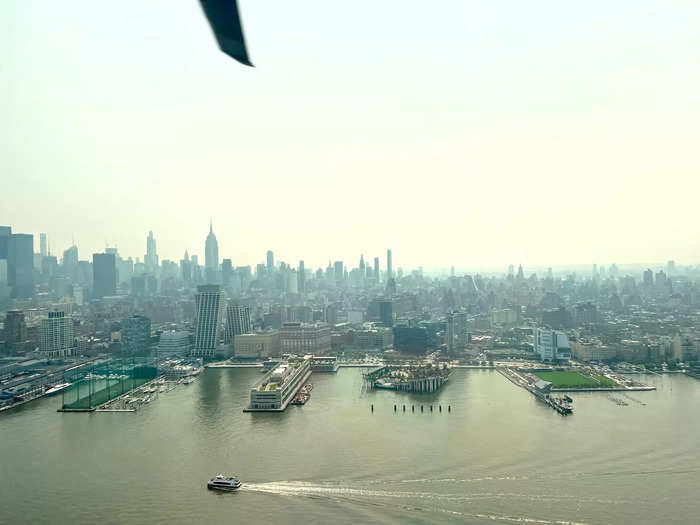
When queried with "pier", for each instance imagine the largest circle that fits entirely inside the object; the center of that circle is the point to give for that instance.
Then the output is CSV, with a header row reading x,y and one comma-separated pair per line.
x,y
416,379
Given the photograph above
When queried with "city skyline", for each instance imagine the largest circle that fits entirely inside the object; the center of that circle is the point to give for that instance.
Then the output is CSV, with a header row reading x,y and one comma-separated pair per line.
x,y
501,124
252,259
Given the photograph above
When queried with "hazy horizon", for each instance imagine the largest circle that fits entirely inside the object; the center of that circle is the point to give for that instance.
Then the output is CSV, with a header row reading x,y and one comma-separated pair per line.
x,y
471,134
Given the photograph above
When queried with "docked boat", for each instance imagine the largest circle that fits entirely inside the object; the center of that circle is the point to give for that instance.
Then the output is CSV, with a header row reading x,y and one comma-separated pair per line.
x,y
55,389
227,483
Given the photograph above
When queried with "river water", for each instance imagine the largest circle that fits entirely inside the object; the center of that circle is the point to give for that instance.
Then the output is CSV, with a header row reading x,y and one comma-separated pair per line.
x,y
498,456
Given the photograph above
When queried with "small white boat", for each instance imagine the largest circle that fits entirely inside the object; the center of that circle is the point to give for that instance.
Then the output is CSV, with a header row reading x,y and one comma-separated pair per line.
x,y
227,483
56,388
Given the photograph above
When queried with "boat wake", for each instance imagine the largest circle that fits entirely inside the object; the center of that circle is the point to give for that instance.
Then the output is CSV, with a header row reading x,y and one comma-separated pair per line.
x,y
412,499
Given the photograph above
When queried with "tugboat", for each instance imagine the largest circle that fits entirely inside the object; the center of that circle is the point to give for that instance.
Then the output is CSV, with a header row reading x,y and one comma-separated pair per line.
x,y
226,483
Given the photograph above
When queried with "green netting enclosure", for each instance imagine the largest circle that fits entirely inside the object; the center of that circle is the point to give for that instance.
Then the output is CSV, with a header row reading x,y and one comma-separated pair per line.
x,y
97,383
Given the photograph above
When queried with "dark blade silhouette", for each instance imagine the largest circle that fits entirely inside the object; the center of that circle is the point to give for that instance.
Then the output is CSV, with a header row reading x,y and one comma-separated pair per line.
x,y
226,23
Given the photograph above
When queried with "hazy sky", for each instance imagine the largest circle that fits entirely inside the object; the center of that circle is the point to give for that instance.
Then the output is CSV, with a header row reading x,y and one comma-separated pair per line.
x,y
455,132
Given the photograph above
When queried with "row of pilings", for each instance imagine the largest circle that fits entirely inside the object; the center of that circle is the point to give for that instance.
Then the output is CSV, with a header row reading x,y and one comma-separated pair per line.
x,y
422,408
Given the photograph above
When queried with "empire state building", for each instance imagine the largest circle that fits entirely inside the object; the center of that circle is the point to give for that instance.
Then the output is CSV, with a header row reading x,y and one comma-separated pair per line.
x,y
211,257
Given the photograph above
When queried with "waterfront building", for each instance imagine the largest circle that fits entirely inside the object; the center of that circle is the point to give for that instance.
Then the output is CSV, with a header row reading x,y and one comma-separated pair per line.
x,y
57,336
277,388
136,335
211,257
173,344
324,364
20,265
257,345
302,338
104,275
237,321
209,314
551,345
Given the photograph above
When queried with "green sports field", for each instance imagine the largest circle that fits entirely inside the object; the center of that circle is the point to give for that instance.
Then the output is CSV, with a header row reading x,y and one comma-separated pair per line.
x,y
575,380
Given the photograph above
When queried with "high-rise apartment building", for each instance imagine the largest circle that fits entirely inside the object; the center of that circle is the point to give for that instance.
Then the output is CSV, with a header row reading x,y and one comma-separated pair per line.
x,y
237,321
104,275
57,336
209,309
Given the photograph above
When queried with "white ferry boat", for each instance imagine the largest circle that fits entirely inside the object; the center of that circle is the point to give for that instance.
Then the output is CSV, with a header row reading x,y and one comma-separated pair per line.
x,y
227,483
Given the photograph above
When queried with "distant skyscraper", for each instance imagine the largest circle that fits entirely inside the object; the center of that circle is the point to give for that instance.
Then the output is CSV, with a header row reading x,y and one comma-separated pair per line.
x,y
376,268
338,271
57,336
211,257
5,232
70,258
20,265
226,272
104,275
237,321
389,271
671,268
386,313
301,277
209,309
42,245
186,268
136,335
270,261
151,257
